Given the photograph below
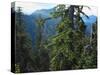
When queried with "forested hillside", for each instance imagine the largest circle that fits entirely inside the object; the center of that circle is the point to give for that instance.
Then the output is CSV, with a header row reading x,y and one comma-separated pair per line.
x,y
60,40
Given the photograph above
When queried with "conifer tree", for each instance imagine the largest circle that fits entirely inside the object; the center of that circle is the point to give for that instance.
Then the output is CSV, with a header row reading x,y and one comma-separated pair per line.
x,y
68,45
61,45
42,53
23,45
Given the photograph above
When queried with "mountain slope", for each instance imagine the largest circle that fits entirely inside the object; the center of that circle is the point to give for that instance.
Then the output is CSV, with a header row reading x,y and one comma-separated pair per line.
x,y
89,22
50,25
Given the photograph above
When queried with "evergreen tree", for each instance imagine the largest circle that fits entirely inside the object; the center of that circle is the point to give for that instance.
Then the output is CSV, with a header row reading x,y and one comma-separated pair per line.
x,y
61,44
42,53
23,45
70,42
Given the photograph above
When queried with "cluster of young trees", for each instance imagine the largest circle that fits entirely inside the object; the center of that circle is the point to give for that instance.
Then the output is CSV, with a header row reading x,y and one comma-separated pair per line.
x,y
69,49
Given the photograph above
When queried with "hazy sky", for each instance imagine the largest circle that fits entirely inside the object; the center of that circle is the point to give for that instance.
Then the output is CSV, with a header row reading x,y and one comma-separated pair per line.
x,y
30,7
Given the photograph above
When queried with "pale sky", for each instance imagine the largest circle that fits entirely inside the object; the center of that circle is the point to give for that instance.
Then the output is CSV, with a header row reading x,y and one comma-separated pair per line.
x,y
30,7
91,11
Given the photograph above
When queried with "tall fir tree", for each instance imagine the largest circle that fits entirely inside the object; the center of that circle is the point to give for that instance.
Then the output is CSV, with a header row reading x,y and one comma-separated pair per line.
x,y
42,52
70,42
23,45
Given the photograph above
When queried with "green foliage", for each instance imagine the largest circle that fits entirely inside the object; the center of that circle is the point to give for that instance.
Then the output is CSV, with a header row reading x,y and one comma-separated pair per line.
x,y
69,49
68,45
41,52
59,11
17,68
23,45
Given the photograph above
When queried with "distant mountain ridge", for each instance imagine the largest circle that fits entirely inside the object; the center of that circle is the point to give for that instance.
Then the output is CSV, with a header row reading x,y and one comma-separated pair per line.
x,y
50,25
91,19
43,12
89,22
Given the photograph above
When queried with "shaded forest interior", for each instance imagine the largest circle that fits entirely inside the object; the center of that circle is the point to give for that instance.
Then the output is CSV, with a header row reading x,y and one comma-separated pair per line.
x,y
68,49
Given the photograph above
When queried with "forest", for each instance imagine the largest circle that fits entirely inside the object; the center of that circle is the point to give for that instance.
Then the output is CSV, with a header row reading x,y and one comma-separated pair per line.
x,y
69,47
